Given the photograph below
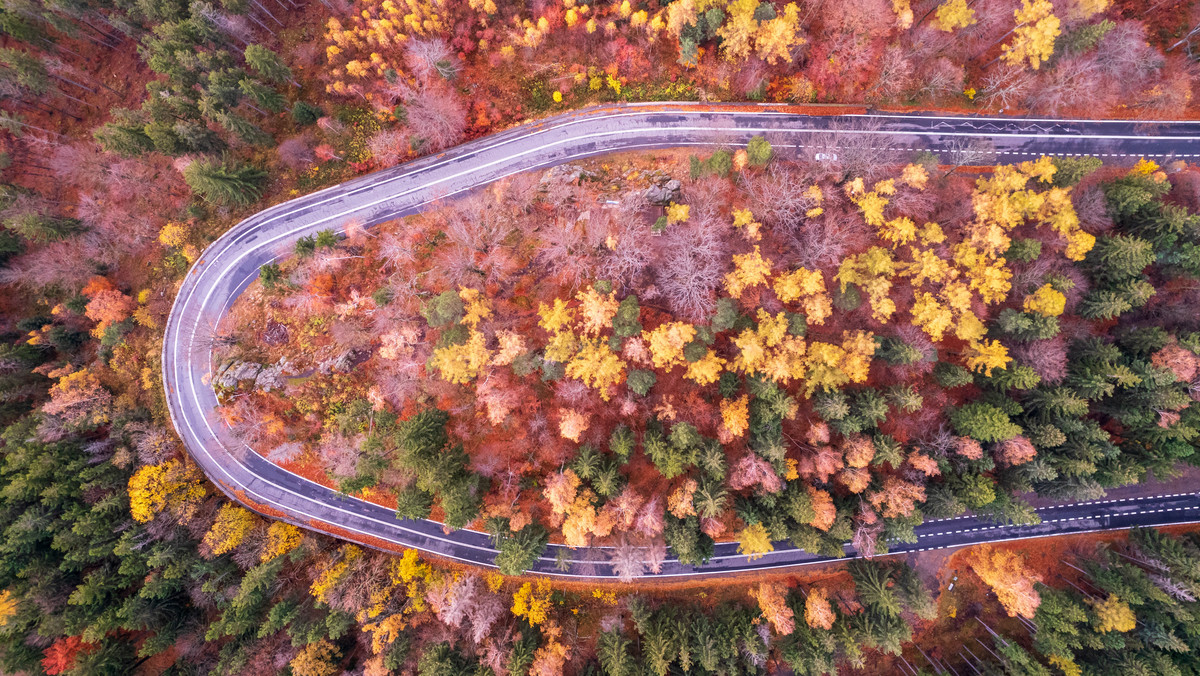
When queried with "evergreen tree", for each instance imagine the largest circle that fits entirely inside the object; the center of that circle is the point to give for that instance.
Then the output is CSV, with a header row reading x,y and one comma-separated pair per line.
x,y
124,135
224,183
984,422
616,656
268,64
520,550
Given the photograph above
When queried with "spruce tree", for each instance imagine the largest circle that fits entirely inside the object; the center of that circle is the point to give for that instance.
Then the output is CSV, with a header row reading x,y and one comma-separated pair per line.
x,y
225,183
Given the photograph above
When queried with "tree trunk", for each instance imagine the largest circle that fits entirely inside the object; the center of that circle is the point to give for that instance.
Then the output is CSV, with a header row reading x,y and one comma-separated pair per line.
x,y
267,12
33,126
67,79
969,663
79,101
115,38
260,24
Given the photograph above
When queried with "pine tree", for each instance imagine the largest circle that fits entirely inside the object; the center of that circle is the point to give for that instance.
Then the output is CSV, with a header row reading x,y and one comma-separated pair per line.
x,y
984,422
873,586
520,550
262,95
124,134
41,228
268,64
660,642
224,183
616,658
1118,257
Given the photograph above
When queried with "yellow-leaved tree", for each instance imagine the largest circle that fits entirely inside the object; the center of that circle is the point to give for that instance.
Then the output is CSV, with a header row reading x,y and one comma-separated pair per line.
x,y
476,306
953,14
1113,614
898,231
8,607
743,33
931,316
749,270
596,310
776,38
706,370
985,355
1086,9
170,486
229,529
772,601
319,658
872,271
556,317
1005,572
281,539
808,287
818,612
755,542
333,571
735,415
744,221
666,343
462,363
597,366
1046,301
677,213
532,602
830,366
1033,38
770,350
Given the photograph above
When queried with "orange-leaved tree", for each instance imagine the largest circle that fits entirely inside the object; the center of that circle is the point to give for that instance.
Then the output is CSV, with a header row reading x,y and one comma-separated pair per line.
x,y
818,612
772,601
1005,572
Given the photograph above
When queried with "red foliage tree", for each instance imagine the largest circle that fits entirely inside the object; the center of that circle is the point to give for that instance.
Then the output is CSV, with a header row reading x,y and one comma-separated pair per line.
x,y
61,655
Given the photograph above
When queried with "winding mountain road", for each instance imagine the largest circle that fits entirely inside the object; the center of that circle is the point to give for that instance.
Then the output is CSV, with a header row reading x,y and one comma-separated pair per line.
x,y
233,260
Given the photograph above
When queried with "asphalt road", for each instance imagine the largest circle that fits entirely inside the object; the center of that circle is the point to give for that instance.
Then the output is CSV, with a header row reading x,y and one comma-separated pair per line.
x,y
233,261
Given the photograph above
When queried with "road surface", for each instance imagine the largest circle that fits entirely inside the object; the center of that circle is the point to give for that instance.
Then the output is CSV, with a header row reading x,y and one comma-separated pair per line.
x,y
233,261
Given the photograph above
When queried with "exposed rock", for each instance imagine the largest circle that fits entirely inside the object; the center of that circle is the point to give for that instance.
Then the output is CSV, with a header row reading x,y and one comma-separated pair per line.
x,y
235,372
270,378
265,378
276,334
664,193
566,173
345,361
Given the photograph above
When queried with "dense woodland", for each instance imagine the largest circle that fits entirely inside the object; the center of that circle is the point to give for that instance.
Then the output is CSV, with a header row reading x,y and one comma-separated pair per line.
x,y
774,351
777,352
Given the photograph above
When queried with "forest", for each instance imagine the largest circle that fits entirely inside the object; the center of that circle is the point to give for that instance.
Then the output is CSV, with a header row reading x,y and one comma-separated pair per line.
x,y
740,345
773,353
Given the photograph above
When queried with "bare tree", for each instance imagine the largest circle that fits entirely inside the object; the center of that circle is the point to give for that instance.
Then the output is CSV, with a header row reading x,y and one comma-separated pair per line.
x,y
296,153
153,444
426,58
388,146
1072,84
628,561
960,152
824,241
437,115
895,75
778,195
1006,87
1125,58
691,269
285,452
941,78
